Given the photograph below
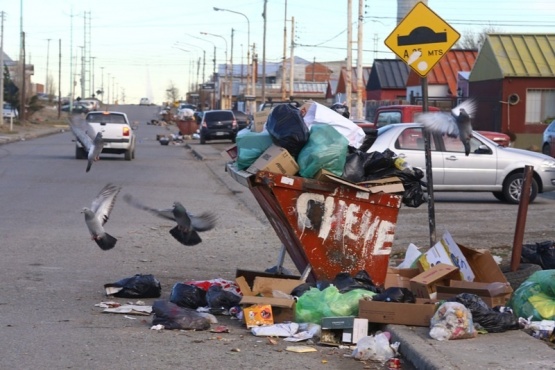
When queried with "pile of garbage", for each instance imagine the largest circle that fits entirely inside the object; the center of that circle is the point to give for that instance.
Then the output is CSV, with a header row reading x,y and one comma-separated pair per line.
x,y
320,139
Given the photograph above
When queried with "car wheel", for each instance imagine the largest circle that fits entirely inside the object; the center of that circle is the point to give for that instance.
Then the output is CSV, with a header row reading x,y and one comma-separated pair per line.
x,y
499,195
80,153
513,186
233,139
546,149
128,155
202,139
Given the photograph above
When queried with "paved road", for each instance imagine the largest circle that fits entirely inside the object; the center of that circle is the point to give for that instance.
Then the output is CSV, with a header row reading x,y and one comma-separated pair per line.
x,y
54,274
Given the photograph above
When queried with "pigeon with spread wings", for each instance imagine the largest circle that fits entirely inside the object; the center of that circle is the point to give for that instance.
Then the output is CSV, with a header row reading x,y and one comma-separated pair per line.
x,y
97,216
188,225
92,147
454,124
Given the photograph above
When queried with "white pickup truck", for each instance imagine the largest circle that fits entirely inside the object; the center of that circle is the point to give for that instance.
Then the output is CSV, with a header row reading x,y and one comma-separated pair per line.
x,y
117,133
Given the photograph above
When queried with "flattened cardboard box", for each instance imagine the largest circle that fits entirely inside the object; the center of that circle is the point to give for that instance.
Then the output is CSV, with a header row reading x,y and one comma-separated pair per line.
x,y
493,294
275,159
387,185
259,121
415,314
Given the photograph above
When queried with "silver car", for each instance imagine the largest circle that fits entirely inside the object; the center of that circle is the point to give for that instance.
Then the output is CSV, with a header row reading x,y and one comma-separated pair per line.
x,y
488,167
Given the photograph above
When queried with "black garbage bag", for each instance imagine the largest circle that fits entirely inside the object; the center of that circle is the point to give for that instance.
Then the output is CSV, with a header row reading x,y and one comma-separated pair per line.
x,y
361,166
344,282
413,196
395,294
138,286
287,128
305,287
173,317
494,321
189,296
542,254
219,299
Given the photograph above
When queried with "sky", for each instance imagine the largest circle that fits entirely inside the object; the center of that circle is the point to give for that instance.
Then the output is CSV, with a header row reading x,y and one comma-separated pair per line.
x,y
141,48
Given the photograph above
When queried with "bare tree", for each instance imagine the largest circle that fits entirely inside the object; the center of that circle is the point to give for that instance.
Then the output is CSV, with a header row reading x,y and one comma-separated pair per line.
x,y
172,93
473,40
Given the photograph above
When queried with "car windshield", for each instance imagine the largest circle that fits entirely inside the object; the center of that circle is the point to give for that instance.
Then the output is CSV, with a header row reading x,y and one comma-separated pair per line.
x,y
106,118
218,116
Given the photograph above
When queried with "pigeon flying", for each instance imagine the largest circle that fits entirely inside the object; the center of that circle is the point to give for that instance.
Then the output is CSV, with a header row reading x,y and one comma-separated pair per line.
x,y
188,225
97,215
456,124
92,147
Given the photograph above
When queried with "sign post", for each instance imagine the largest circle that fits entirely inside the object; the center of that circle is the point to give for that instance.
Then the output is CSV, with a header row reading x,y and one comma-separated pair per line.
x,y
421,39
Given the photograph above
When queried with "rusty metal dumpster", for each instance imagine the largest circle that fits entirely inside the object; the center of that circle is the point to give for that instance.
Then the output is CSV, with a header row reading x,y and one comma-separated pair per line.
x,y
330,227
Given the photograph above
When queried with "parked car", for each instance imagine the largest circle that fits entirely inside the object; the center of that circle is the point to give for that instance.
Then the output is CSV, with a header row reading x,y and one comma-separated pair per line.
x,y
77,108
489,167
406,113
548,141
8,111
117,133
243,119
217,125
92,104
144,101
367,126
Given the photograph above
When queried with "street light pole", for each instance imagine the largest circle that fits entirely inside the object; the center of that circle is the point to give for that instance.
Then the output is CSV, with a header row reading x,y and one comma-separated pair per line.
x,y
226,61
250,79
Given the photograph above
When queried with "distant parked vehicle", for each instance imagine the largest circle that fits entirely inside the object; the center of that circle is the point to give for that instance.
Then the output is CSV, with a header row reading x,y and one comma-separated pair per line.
x,y
9,112
77,108
218,125
548,142
144,101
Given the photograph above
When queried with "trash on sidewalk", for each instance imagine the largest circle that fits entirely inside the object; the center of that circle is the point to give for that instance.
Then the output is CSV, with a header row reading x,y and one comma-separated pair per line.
x,y
376,348
130,309
452,320
535,298
276,330
173,317
492,320
343,330
138,286
542,254
300,349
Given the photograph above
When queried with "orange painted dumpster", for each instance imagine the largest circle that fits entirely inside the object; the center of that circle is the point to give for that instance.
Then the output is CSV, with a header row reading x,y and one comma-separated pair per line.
x,y
187,126
333,228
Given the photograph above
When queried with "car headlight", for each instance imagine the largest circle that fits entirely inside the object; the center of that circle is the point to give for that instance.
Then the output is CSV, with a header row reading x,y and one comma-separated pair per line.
x,y
548,164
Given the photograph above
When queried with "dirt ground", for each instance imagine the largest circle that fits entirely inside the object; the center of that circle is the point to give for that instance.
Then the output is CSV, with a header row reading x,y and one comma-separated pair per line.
x,y
43,119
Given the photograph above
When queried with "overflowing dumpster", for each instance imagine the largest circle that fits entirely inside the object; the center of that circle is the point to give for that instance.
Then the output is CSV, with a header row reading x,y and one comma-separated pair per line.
x,y
331,227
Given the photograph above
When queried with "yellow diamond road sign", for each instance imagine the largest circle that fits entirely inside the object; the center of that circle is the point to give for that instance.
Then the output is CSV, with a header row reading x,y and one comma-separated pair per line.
x,y
422,39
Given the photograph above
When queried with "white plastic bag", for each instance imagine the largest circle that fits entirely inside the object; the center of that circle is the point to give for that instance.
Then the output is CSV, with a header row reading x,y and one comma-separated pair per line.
x,y
452,320
375,348
320,114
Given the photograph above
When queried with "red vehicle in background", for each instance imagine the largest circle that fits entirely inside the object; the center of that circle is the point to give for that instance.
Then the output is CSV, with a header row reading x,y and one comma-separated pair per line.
x,y
389,114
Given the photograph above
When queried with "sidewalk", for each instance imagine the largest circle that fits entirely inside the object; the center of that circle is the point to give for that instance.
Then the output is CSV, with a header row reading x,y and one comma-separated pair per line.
x,y
30,132
509,350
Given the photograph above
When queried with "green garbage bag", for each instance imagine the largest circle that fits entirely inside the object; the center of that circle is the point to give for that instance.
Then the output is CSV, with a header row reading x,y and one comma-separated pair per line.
x,y
250,145
535,297
315,304
326,149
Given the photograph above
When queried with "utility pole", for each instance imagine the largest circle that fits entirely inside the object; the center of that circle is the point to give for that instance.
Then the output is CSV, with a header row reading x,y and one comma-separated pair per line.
x,y
360,80
46,82
348,85
59,77
283,74
292,60
231,72
2,14
22,91
264,54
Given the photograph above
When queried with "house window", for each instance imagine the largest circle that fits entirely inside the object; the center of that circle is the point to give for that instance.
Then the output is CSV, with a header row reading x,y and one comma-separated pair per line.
x,y
540,105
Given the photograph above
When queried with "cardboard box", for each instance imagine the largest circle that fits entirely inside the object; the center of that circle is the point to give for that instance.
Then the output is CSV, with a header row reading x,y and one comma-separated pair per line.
x,y
493,294
262,293
415,314
424,284
343,329
400,277
275,159
258,315
232,151
259,120
387,185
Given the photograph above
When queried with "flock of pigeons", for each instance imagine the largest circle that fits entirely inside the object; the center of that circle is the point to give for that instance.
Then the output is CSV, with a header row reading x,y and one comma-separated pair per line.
x,y
187,225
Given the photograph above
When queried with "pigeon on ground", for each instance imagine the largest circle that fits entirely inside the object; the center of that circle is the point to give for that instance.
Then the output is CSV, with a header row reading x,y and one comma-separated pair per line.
x,y
98,214
456,124
92,147
188,225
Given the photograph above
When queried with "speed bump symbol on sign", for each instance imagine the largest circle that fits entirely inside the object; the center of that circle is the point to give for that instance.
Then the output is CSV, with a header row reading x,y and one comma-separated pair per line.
x,y
421,39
